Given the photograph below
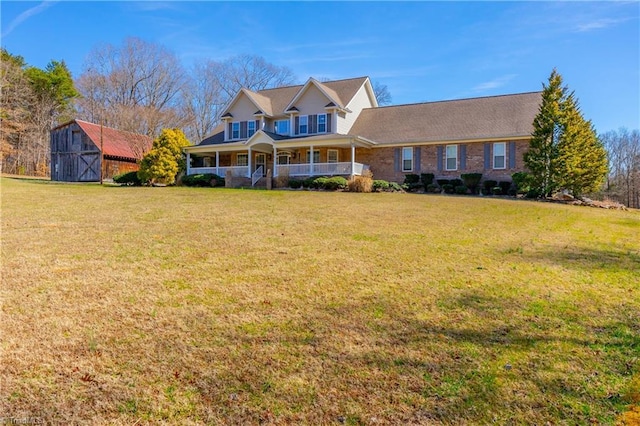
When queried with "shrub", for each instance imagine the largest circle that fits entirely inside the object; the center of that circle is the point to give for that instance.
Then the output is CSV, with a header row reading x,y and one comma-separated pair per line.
x,y
295,183
411,178
128,179
443,181
521,180
533,193
413,187
395,187
496,190
456,182
448,188
426,179
362,183
334,183
308,182
432,187
488,184
472,181
380,185
318,183
461,189
203,179
505,186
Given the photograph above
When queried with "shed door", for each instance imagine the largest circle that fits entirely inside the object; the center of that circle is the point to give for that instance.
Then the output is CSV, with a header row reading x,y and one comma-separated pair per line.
x,y
88,166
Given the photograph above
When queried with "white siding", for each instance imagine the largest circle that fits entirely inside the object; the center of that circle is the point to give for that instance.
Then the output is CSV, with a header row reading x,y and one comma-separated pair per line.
x,y
312,101
360,101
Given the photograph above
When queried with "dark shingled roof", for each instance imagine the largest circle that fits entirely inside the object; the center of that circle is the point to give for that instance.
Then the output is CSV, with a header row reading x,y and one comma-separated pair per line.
x,y
465,119
216,137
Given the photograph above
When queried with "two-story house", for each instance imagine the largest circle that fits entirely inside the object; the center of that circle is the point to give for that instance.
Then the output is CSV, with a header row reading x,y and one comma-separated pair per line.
x,y
337,128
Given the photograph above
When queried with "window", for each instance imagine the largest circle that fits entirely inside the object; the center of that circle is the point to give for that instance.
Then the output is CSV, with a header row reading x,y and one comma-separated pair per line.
x,y
235,130
451,162
322,123
303,129
281,127
284,158
242,159
251,128
407,159
499,155
332,156
316,156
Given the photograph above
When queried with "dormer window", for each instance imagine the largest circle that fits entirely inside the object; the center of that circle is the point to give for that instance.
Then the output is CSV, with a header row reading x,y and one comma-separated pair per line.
x,y
235,130
304,125
322,123
251,128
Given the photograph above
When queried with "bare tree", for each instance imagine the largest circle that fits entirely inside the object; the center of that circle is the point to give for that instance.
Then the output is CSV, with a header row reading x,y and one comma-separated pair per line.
x,y
134,87
623,147
383,96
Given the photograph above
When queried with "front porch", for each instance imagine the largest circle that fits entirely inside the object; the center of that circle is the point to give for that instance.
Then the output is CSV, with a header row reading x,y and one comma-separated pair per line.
x,y
294,170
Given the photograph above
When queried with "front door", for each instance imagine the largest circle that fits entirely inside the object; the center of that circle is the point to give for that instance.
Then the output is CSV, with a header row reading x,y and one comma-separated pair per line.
x,y
261,160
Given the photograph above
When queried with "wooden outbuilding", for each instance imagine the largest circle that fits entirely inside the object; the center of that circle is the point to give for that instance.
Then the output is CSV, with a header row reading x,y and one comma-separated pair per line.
x,y
83,151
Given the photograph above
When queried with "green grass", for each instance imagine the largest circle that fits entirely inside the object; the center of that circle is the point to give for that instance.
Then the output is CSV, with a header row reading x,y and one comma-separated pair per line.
x,y
196,306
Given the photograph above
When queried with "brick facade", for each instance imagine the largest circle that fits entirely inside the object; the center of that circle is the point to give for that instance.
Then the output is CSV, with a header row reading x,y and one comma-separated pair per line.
x,y
384,165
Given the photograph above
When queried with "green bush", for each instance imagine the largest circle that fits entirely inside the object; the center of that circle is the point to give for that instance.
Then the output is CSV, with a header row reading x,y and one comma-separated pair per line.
x,y
521,180
426,179
496,190
489,184
411,178
318,183
461,189
432,187
308,182
395,186
380,185
203,179
413,187
443,181
533,193
456,182
128,179
334,183
505,186
295,183
472,181
448,188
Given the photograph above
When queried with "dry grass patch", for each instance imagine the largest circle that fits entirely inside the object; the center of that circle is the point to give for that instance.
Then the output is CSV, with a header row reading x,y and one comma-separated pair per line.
x,y
193,306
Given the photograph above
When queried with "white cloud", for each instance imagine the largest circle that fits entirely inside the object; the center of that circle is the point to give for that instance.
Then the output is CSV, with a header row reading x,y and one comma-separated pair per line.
x,y
494,84
597,24
26,15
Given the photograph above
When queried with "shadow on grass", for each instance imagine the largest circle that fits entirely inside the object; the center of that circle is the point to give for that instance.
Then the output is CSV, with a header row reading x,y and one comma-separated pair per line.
x,y
590,259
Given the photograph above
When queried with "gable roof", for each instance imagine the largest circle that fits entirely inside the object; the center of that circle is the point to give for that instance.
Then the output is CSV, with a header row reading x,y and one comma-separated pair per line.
x,y
490,117
116,143
273,102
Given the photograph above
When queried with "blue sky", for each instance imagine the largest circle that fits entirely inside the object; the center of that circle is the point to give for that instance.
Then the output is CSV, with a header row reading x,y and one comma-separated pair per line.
x,y
423,51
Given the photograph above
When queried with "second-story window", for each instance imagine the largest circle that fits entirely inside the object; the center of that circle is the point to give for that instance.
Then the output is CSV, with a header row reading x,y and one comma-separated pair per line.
x,y
235,130
251,128
281,127
322,123
304,125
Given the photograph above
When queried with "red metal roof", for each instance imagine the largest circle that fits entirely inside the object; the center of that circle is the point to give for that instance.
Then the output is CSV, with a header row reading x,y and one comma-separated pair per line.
x,y
117,143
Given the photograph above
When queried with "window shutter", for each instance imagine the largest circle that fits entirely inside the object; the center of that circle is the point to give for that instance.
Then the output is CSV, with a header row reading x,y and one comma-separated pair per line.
x,y
243,129
257,125
416,159
297,125
329,123
396,159
487,156
439,157
313,123
229,131
512,155
463,157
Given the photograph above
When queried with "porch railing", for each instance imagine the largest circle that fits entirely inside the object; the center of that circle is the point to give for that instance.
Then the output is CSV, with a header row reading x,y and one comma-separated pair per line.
x,y
256,176
321,169
236,171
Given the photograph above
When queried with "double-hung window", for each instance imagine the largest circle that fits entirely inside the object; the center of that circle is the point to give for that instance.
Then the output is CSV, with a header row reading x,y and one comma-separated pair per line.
x,y
303,128
251,128
332,156
322,123
407,159
451,161
316,156
242,159
235,130
281,127
499,155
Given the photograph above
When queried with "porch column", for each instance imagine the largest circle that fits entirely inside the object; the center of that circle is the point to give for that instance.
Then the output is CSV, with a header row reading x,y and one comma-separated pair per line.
x,y
311,160
353,159
249,164
218,163
275,161
188,163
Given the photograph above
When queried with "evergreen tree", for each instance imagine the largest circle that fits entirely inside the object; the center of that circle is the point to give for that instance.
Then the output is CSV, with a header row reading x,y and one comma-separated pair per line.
x,y
564,151
165,160
543,146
